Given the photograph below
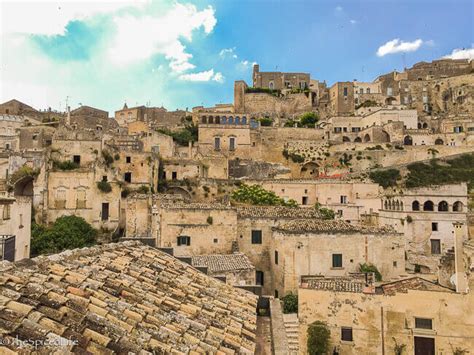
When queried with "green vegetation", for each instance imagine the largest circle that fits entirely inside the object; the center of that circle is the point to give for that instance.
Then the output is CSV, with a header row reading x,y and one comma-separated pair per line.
x,y
143,189
104,186
65,165
108,159
125,192
290,303
371,268
326,213
398,348
266,122
295,157
385,178
377,147
306,120
453,171
367,103
67,232
188,134
250,90
318,338
257,195
23,172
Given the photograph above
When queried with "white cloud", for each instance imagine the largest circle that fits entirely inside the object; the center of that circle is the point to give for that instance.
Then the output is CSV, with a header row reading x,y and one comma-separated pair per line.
x,y
228,51
139,37
461,54
208,75
51,18
354,22
339,8
398,46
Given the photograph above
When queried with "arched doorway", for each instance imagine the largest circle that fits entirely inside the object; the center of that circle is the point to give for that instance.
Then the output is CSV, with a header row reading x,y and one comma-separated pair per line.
x,y
367,138
346,139
309,170
358,140
385,137
408,140
439,141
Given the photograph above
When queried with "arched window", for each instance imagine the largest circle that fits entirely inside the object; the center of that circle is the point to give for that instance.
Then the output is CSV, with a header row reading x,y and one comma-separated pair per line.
x,y
428,206
211,119
443,206
224,120
415,206
358,140
389,204
401,206
425,125
386,205
204,119
397,205
231,120
457,206
346,139
439,141
237,120
218,120
419,125
366,138
408,140
244,120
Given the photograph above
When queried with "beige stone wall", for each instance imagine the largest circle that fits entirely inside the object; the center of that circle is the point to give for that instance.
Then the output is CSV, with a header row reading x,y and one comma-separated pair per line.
x,y
181,169
143,167
208,134
311,254
138,217
237,277
66,149
75,192
261,104
206,238
17,222
453,320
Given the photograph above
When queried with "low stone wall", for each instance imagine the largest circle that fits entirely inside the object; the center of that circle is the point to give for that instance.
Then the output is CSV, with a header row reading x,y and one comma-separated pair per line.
x,y
280,342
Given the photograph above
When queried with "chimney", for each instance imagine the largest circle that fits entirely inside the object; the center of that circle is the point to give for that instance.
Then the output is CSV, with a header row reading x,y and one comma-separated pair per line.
x,y
460,271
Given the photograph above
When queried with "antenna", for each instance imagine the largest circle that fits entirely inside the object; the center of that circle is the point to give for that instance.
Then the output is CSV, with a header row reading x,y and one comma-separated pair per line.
x,y
404,61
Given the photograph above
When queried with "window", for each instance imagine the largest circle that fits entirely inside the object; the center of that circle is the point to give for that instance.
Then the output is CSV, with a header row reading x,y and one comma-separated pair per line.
x,y
232,143
336,260
344,199
345,91
128,160
76,159
423,323
127,177
435,246
346,334
259,277
415,206
81,198
256,237
104,178
216,240
276,293
6,211
395,264
35,136
105,211
304,200
217,143
174,175
434,226
276,257
60,202
368,90
183,240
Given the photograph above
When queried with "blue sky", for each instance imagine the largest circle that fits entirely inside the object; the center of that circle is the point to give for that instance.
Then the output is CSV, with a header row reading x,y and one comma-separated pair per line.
x,y
189,52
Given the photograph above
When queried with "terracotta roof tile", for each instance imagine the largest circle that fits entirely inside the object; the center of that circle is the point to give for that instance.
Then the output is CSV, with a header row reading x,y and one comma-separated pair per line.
x,y
329,226
138,298
223,262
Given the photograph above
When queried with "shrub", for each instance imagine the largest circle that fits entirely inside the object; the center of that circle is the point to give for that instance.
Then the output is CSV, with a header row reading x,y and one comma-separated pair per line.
x,y
318,338
65,165
188,134
367,103
125,192
143,189
257,195
108,157
209,220
409,219
67,232
266,122
23,172
326,213
308,119
290,303
371,268
276,93
385,178
295,157
104,186
117,156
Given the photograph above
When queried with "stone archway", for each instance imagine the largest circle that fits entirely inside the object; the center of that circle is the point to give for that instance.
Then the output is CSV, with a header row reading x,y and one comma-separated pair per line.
x,y
309,170
367,138
408,140
439,141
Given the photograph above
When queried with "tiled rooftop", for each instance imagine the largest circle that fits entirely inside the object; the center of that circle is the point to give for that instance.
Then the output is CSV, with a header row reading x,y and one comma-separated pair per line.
x,y
412,283
353,283
329,226
124,298
223,262
276,212
194,205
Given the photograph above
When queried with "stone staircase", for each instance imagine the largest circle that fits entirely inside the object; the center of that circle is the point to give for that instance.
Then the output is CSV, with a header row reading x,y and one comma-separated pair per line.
x,y
292,332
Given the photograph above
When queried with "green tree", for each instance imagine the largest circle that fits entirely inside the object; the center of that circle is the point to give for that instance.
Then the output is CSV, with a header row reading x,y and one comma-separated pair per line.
x,y
308,119
290,303
385,178
318,338
257,195
67,232
371,268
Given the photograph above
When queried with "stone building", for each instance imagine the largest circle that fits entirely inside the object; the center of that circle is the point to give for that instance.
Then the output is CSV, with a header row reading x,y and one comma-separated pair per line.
x,y
121,297
279,80
426,216
235,269
156,116
341,99
332,248
420,315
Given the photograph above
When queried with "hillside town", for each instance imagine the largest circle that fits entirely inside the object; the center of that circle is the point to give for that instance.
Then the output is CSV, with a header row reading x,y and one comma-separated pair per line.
x,y
301,218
